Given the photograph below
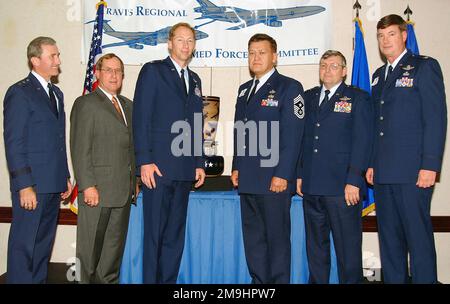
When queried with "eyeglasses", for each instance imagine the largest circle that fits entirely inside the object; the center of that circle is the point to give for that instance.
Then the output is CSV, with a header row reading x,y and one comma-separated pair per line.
x,y
112,71
333,66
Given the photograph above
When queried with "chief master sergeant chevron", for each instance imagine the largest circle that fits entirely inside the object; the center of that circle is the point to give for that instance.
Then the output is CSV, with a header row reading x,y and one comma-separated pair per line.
x,y
410,127
269,113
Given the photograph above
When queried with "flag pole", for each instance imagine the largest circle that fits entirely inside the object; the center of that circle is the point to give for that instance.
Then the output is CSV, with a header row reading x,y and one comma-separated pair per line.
x,y
408,12
357,7
361,79
411,42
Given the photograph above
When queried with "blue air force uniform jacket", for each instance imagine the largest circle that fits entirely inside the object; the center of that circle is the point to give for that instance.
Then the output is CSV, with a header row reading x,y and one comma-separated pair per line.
x,y
337,142
35,138
410,120
278,101
159,102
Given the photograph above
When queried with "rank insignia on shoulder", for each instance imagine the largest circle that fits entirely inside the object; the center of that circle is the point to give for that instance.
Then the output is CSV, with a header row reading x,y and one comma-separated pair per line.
x,y
242,93
375,81
198,92
299,106
343,105
404,82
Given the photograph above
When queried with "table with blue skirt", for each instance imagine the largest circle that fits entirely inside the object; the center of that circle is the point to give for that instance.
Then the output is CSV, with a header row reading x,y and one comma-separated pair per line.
x,y
214,248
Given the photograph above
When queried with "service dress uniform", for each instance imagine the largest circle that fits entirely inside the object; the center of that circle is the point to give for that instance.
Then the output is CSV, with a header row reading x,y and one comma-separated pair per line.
x,y
335,153
274,117
160,101
35,144
410,130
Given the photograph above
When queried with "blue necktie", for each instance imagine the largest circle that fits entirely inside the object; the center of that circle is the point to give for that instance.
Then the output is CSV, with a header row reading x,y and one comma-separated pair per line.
x,y
183,82
51,93
253,90
389,72
325,100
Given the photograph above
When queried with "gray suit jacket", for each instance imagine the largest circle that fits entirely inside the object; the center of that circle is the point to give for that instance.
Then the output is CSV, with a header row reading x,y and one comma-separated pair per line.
x,y
102,148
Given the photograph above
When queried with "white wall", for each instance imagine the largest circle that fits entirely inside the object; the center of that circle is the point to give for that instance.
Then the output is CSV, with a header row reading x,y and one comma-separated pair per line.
x,y
22,21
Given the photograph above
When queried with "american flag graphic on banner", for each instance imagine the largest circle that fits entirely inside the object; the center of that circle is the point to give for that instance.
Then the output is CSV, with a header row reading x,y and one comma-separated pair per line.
x,y
90,82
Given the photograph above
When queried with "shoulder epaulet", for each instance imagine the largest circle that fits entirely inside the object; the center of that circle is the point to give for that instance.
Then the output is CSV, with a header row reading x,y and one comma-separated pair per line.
x,y
357,89
313,89
156,61
23,82
423,57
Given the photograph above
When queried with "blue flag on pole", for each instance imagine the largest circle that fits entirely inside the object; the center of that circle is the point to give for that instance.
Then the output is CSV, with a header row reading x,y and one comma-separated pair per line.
x,y
411,41
361,79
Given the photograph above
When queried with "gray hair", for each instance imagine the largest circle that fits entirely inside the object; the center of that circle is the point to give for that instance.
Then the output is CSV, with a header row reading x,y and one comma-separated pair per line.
x,y
34,49
331,53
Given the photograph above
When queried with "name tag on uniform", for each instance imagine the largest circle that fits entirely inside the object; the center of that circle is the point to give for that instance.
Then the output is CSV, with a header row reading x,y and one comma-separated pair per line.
x,y
343,106
404,82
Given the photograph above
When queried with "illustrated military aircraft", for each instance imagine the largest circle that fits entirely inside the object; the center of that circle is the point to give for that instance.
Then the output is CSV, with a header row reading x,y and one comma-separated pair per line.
x,y
137,40
246,18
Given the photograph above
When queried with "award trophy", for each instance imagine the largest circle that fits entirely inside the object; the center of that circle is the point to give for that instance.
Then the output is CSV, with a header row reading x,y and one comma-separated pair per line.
x,y
214,165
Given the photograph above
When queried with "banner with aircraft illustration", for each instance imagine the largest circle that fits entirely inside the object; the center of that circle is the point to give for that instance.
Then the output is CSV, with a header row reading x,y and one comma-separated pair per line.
x,y
137,30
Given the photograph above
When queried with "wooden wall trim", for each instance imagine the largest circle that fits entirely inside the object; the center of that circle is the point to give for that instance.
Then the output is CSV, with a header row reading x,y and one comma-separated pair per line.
x,y
67,217
440,223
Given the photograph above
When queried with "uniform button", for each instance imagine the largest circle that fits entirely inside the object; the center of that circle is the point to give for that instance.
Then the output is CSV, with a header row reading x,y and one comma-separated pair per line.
x,y
315,150
381,118
382,102
381,134
316,137
185,119
245,147
245,119
318,124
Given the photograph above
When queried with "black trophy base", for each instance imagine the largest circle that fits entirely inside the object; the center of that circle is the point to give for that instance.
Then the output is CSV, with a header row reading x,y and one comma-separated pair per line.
x,y
214,165
216,183
214,180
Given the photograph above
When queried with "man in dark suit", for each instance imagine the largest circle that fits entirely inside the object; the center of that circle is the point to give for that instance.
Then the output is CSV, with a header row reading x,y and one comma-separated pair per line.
x,y
34,134
267,134
411,121
101,143
335,156
168,98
